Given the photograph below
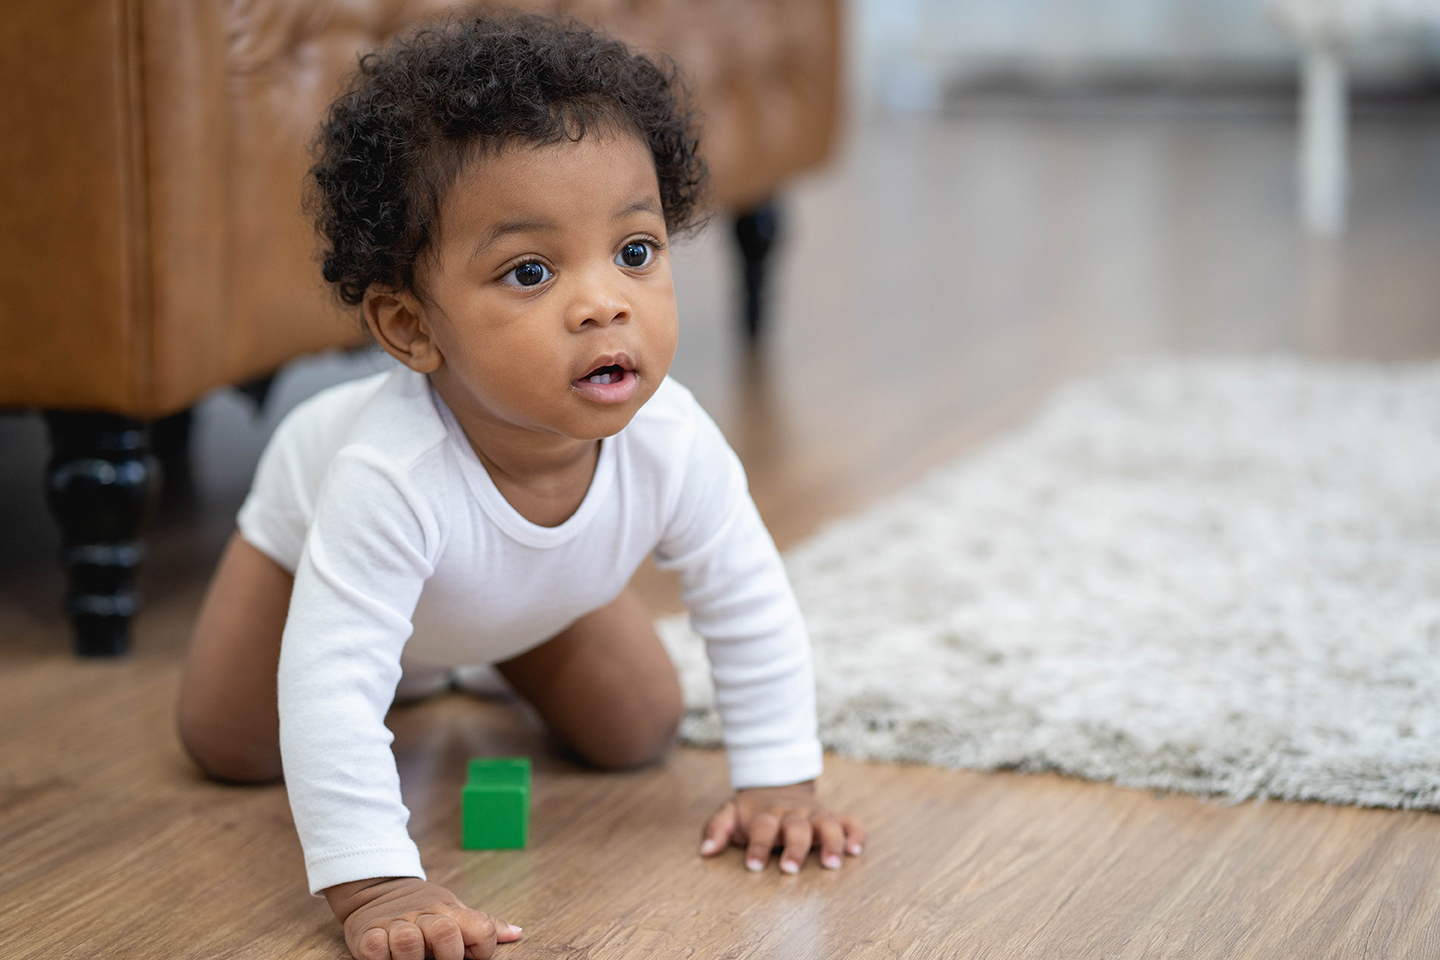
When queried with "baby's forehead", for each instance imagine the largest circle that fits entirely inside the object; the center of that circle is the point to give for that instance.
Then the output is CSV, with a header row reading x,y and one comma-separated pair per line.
x,y
596,165
598,181
597,131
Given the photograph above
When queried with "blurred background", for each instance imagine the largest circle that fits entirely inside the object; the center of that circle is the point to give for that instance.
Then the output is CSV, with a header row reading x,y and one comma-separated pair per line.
x,y
986,199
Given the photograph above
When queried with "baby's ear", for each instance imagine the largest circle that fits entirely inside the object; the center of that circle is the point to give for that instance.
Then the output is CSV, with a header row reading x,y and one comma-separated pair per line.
x,y
397,324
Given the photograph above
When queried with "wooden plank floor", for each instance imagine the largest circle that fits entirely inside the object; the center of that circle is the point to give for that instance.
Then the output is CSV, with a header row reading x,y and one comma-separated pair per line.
x,y
114,847
938,283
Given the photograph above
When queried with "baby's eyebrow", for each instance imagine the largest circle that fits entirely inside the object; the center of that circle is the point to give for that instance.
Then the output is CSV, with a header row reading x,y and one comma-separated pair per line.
x,y
645,204
505,228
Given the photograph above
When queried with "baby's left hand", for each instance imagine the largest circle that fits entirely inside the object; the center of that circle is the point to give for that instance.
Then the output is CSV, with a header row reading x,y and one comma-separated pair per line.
x,y
790,819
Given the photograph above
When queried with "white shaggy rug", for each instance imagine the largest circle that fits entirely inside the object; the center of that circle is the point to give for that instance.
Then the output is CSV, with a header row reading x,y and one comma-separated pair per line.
x,y
1218,575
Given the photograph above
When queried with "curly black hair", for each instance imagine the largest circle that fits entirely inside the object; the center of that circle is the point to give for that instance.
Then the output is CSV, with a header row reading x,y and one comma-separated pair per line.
x,y
417,110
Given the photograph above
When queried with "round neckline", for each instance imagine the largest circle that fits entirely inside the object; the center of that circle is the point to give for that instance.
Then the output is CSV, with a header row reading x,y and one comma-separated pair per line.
x,y
501,512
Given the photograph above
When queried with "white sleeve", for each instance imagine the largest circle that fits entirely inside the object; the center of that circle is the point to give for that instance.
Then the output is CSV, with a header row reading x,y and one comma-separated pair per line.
x,y
740,601
276,512
366,557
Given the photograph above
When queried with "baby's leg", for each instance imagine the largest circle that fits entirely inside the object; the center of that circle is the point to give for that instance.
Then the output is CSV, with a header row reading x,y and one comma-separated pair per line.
x,y
604,685
227,716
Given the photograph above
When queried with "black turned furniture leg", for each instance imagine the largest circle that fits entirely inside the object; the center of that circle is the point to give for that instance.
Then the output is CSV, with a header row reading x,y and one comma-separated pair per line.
x,y
102,482
170,443
755,232
258,390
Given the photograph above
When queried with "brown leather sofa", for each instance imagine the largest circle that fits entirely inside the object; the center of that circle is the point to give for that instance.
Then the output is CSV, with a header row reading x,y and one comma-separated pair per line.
x,y
153,246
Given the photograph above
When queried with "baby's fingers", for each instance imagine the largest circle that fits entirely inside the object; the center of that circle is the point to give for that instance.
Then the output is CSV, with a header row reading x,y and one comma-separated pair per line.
x,y
443,939
374,945
764,828
720,830
479,932
832,841
406,941
854,834
798,837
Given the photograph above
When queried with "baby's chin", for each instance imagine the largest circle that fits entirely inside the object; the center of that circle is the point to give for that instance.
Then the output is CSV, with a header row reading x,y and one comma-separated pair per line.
x,y
597,419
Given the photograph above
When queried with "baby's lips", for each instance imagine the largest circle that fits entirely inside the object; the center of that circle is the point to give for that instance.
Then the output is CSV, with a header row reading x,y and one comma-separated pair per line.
x,y
619,359
619,391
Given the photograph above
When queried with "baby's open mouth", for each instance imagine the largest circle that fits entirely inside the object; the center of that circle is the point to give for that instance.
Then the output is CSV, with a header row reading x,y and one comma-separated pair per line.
x,y
610,374
613,381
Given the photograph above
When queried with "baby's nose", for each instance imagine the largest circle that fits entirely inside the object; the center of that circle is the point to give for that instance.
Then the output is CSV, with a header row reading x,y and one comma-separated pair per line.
x,y
599,305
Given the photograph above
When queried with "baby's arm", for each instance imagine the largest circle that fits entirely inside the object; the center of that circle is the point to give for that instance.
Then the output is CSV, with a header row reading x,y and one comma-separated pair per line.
x,y
740,601
365,561
405,918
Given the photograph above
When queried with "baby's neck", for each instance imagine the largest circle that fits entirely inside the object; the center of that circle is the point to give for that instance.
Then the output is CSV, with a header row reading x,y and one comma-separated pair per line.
x,y
546,497
543,476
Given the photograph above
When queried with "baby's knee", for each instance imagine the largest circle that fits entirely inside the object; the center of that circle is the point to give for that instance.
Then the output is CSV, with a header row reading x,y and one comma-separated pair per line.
x,y
638,738
222,755
624,753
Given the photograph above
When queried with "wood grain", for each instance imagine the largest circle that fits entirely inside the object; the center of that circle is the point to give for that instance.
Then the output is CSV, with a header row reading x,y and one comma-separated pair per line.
x,y
113,841
938,283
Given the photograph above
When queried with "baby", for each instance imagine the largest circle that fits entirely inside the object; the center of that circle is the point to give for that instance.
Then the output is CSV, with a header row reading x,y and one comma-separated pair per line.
x,y
497,198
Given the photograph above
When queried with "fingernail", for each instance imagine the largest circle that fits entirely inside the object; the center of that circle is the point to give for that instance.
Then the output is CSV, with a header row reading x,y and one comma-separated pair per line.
x,y
855,849
707,848
787,866
831,861
754,865
515,929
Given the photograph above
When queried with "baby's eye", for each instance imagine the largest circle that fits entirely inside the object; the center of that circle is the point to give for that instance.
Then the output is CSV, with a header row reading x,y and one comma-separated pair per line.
x,y
528,274
636,253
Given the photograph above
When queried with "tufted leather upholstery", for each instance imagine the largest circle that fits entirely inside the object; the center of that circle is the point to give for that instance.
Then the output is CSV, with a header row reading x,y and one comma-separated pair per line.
x,y
152,244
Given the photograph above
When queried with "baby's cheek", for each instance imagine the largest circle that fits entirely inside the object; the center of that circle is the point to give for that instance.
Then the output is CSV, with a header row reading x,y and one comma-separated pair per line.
x,y
663,333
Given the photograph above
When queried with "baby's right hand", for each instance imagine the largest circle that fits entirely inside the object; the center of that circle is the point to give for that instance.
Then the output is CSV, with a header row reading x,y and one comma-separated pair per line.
x,y
405,918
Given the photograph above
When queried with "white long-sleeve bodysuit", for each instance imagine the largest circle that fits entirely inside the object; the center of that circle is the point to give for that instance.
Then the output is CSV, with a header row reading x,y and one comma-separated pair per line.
x,y
399,541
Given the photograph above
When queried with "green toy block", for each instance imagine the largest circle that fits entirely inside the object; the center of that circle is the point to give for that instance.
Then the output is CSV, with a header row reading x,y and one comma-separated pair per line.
x,y
495,804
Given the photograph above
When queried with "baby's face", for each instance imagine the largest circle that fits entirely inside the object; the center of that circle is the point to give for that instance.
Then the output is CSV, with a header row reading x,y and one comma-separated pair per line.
x,y
551,299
